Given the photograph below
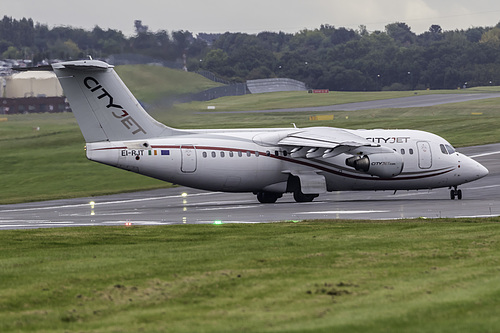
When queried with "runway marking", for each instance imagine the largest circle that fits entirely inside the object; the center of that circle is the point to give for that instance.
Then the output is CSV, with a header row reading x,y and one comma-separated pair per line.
x,y
408,194
136,222
52,222
174,222
474,216
25,221
224,208
101,214
13,226
481,187
103,203
485,154
218,203
346,212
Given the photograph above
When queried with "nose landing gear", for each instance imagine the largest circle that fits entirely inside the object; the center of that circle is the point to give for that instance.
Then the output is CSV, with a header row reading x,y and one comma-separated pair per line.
x,y
454,193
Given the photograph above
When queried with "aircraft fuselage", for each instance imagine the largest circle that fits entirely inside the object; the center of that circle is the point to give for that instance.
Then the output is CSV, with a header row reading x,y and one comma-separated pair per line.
x,y
233,161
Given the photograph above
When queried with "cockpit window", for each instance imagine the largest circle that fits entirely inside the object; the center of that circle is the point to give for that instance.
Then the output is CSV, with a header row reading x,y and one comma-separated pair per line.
x,y
451,150
443,149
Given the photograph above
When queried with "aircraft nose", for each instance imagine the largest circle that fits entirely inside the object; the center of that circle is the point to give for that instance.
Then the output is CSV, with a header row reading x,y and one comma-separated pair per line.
x,y
481,171
475,170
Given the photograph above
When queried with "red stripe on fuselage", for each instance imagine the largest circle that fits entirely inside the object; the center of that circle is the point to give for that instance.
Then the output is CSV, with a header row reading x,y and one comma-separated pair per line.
x,y
304,163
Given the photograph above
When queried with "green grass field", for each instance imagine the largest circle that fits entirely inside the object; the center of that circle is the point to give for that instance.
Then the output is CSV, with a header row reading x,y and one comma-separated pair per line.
x,y
463,124
321,276
154,82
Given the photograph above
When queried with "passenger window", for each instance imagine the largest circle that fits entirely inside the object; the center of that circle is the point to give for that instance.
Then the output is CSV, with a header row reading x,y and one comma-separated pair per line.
x,y
268,153
257,154
222,154
443,149
402,151
276,153
410,151
204,154
249,154
285,153
240,154
231,154
213,154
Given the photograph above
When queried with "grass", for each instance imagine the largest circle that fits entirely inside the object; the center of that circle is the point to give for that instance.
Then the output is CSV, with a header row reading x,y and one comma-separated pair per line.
x,y
321,276
43,158
299,99
463,124
154,82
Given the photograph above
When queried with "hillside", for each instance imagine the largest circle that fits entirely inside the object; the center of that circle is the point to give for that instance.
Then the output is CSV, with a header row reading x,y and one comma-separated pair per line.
x,y
149,83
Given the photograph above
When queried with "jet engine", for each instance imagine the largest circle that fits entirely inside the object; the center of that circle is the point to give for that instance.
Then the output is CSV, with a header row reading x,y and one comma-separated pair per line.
x,y
383,165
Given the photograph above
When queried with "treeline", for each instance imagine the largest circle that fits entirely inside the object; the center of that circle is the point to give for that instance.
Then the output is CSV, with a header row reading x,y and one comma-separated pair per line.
x,y
346,59
23,39
327,57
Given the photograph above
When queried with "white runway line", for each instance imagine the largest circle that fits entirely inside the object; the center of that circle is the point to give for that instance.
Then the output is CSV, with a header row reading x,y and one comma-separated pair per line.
x,y
102,203
485,154
346,212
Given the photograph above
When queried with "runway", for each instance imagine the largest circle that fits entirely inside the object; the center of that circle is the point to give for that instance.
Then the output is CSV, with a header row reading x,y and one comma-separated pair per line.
x,y
402,102
188,206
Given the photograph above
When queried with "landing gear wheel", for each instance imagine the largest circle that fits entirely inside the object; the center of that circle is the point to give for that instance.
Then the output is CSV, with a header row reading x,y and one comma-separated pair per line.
x,y
268,197
301,197
455,193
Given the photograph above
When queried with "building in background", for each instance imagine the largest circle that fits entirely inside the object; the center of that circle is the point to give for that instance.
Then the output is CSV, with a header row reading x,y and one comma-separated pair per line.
x,y
31,92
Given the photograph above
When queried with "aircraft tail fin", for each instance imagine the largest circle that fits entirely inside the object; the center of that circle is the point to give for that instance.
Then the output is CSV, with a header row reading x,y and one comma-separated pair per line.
x,y
104,107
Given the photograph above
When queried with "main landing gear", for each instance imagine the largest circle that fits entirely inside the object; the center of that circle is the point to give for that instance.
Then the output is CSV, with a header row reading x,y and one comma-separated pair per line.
x,y
454,193
271,197
268,197
298,196
293,185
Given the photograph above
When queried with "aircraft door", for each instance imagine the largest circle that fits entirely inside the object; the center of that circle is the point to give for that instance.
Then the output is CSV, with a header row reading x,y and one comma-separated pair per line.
x,y
424,155
188,158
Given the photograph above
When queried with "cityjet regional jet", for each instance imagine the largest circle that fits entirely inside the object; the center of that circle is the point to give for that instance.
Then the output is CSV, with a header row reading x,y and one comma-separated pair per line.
x,y
268,162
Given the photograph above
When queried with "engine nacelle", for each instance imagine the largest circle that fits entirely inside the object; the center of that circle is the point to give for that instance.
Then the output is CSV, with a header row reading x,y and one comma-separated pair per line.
x,y
384,165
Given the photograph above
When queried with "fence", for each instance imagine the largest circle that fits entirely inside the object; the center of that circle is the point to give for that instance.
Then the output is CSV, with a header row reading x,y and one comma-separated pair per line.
x,y
206,95
273,85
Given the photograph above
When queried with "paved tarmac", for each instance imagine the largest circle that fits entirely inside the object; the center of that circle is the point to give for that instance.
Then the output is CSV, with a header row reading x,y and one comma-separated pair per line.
x,y
402,102
168,206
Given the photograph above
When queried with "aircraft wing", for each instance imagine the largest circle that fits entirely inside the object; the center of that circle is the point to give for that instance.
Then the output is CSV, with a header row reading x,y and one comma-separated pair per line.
x,y
328,142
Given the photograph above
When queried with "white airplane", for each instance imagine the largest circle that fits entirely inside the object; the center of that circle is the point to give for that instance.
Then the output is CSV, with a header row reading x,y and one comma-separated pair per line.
x,y
266,161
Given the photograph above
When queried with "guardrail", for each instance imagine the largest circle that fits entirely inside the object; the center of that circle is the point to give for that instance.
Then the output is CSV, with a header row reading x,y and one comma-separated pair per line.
x,y
273,85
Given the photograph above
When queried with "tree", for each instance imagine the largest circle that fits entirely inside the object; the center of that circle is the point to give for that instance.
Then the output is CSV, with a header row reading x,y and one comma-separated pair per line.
x,y
435,29
217,61
491,37
140,28
12,53
401,33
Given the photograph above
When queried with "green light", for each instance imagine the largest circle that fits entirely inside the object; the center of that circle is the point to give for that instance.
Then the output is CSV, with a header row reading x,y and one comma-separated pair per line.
x,y
218,222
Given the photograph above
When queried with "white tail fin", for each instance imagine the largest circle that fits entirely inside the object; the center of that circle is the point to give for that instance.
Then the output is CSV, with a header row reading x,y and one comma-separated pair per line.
x,y
103,106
